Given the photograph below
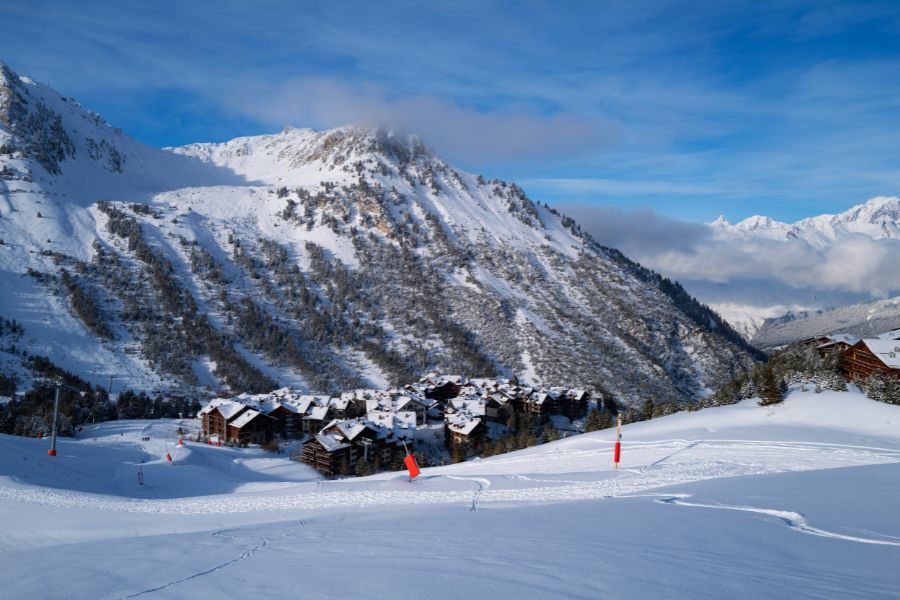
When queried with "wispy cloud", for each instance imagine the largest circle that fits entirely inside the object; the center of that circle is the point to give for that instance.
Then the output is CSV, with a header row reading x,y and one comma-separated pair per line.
x,y
461,134
784,108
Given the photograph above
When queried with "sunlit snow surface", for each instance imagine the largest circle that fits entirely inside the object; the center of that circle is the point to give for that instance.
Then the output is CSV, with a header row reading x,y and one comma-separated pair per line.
x,y
797,500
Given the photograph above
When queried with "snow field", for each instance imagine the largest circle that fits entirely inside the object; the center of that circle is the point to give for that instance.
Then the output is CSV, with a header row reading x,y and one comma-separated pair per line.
x,y
796,500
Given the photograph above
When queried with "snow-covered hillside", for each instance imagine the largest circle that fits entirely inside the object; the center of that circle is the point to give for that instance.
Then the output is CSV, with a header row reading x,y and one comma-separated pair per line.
x,y
786,501
867,319
761,269
320,260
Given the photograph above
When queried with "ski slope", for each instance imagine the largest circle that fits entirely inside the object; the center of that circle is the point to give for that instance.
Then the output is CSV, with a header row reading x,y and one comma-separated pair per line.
x,y
795,500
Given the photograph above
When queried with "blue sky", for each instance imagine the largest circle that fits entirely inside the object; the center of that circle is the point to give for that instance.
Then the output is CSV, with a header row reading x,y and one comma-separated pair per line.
x,y
691,109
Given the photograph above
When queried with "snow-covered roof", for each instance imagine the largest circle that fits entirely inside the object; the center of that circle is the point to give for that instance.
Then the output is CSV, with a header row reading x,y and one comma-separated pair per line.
x,y
350,428
245,418
392,419
462,423
339,403
317,413
228,408
840,338
331,441
470,404
888,351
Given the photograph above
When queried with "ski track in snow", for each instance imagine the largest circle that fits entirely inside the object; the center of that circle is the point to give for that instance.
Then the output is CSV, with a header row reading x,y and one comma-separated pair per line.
x,y
220,534
792,519
719,458
482,483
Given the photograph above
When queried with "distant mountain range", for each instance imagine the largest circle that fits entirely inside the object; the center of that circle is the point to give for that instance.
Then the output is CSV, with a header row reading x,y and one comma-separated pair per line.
x,y
863,320
877,218
772,270
321,260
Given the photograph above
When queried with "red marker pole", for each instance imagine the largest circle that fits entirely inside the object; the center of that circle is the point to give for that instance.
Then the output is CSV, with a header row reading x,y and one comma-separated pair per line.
x,y
617,454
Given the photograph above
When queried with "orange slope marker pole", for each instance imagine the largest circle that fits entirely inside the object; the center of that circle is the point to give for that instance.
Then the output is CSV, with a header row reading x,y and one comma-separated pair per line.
x,y
410,462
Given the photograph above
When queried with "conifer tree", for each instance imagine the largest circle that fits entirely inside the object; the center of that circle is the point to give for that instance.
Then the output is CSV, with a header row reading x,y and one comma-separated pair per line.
x,y
770,389
550,434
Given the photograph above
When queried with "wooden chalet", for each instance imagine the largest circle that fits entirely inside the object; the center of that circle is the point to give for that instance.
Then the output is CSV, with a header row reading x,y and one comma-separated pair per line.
x,y
217,415
539,406
839,342
816,341
442,388
288,419
341,444
465,434
250,427
328,454
573,404
869,355
316,417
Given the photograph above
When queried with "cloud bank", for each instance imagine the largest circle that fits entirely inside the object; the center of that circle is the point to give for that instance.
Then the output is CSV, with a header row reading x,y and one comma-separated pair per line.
x,y
691,251
460,133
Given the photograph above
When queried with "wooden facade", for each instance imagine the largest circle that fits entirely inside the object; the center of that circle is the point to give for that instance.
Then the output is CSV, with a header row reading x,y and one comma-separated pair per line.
x,y
328,459
339,447
251,427
215,421
860,361
466,438
287,422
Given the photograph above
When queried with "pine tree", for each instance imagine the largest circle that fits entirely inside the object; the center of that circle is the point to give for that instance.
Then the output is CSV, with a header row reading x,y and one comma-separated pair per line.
x,y
362,468
877,386
487,449
550,434
647,410
593,421
770,389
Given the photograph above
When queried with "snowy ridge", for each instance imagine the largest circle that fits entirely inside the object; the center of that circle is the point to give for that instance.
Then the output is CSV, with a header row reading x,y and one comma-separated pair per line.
x,y
321,260
863,320
877,218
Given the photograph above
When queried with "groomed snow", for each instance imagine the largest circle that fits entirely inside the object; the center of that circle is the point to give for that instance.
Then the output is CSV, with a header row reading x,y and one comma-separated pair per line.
x,y
795,500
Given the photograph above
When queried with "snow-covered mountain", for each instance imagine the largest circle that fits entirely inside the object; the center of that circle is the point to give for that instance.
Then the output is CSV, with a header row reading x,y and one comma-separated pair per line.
x,y
322,260
878,218
866,319
761,269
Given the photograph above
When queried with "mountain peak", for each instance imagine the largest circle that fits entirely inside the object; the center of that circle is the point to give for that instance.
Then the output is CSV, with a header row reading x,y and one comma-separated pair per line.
x,y
874,211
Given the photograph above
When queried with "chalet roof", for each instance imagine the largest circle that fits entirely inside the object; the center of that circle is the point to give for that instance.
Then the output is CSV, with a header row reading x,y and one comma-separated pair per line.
x,y
245,418
331,442
268,405
540,398
893,334
228,408
840,338
212,404
350,428
500,397
470,404
462,423
317,413
339,403
393,419
887,351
